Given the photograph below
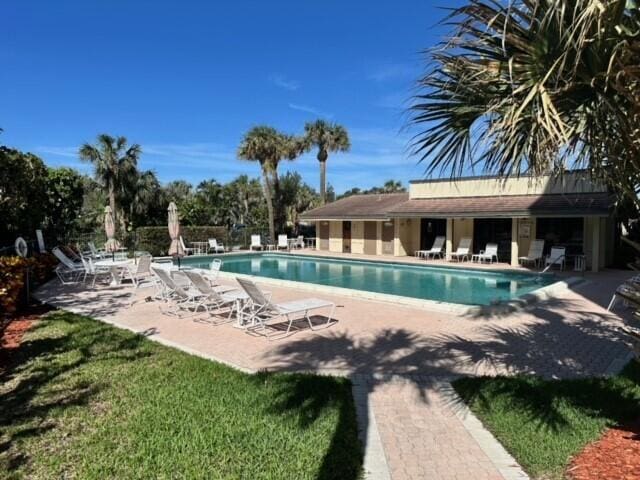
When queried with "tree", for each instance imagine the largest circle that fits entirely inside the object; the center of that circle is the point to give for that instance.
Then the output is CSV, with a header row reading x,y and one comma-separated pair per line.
x,y
268,147
145,200
22,194
114,164
65,195
535,86
297,197
243,200
327,137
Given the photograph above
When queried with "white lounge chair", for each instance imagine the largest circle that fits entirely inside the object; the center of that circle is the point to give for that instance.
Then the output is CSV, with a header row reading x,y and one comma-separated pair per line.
x,y
556,257
181,297
488,254
283,242
187,250
462,253
435,250
67,271
261,309
256,243
535,253
213,299
216,246
96,253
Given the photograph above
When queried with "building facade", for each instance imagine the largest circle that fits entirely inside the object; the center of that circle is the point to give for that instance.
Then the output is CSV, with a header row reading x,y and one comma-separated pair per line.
x,y
570,211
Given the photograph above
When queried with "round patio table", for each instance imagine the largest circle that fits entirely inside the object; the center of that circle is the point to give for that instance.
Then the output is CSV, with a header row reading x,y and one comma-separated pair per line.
x,y
114,267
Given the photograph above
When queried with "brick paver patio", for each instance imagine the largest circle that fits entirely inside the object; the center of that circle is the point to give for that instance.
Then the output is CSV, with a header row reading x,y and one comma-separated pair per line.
x,y
422,437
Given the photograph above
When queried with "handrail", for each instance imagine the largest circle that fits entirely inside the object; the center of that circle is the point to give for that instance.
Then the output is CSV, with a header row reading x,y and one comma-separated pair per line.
x,y
553,263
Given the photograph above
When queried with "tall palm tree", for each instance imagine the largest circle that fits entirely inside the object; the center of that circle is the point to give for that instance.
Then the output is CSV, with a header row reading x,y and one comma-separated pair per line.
x,y
535,86
114,164
267,146
327,137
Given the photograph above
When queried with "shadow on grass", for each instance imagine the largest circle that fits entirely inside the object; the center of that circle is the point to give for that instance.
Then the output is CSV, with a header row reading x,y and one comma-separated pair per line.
x,y
39,378
547,403
309,397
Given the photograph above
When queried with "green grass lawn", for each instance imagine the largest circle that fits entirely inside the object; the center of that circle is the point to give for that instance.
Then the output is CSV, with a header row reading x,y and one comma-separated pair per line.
x,y
543,423
85,400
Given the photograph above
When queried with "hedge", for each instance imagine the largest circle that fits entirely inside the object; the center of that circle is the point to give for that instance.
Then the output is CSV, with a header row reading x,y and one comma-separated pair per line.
x,y
156,240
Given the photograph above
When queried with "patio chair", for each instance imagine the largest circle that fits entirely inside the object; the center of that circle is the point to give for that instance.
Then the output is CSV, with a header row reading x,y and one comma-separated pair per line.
x,y
556,257
214,299
489,253
90,269
256,243
629,292
462,253
142,277
535,253
283,242
216,246
261,309
299,243
68,271
436,249
96,253
187,250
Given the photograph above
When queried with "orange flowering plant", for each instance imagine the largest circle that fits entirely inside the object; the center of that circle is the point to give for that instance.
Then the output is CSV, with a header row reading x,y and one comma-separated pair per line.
x,y
13,278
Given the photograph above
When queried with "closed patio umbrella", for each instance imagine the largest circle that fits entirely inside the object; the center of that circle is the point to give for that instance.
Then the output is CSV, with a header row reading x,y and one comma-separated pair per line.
x,y
175,249
110,229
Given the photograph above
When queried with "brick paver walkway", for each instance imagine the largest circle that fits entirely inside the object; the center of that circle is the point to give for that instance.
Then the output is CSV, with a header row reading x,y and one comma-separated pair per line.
x,y
422,437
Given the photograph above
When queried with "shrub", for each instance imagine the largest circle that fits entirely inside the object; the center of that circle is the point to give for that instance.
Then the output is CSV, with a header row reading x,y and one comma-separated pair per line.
x,y
13,278
156,240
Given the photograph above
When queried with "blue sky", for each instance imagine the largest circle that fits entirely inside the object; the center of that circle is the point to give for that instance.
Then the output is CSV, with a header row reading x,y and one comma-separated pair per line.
x,y
187,79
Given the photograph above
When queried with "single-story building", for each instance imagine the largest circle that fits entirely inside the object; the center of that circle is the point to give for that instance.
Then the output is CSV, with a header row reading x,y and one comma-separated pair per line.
x,y
568,210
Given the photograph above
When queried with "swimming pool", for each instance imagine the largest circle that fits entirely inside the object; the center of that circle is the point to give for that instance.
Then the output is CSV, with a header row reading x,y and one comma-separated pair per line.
x,y
441,284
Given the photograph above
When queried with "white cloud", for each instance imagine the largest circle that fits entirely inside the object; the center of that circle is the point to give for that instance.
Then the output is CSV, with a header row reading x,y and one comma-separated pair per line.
x,y
283,82
393,71
69,152
308,109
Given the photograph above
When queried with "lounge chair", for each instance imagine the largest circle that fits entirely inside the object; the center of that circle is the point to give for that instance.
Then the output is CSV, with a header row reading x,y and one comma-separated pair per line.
x,y
435,250
556,257
535,253
214,299
283,242
185,249
215,246
462,253
181,297
96,253
488,254
261,309
629,292
67,271
256,243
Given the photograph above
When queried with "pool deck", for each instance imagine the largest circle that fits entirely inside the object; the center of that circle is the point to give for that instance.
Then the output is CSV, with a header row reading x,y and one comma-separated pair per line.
x,y
401,360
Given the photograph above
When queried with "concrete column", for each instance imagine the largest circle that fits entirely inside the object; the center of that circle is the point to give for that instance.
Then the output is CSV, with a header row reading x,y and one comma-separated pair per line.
x,y
514,242
449,241
595,244
317,236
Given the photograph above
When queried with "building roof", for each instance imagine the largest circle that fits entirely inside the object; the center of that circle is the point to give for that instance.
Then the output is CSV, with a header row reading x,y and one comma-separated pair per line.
x,y
588,204
384,206
358,207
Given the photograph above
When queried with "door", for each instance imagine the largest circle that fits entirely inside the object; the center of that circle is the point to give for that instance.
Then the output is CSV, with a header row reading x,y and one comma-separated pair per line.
x,y
346,237
323,234
430,228
493,230
387,238
370,238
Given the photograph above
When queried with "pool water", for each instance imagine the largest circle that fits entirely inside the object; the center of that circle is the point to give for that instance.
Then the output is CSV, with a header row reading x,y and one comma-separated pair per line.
x,y
441,284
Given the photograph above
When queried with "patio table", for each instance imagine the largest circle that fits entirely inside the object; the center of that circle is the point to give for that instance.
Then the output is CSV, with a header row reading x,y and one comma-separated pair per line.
x,y
311,242
114,267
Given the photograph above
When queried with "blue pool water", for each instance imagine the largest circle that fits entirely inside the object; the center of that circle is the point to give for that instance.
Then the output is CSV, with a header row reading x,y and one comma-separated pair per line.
x,y
443,284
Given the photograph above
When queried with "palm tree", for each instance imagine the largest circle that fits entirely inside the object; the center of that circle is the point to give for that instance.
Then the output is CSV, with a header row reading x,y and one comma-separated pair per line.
x,y
327,137
535,86
267,146
393,186
114,164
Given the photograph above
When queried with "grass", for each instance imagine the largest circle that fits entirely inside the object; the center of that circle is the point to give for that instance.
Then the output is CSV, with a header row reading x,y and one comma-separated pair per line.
x,y
543,423
85,400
